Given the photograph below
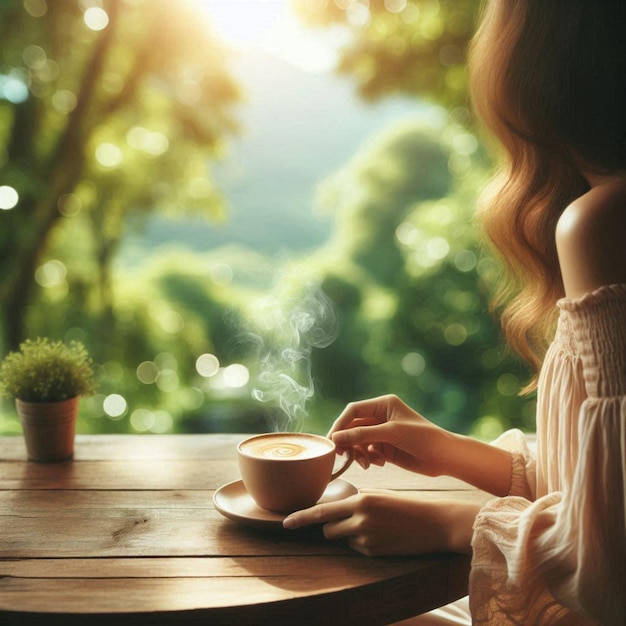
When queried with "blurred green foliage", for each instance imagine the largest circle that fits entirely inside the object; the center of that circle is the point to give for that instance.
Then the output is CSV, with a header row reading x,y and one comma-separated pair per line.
x,y
106,113
402,286
401,46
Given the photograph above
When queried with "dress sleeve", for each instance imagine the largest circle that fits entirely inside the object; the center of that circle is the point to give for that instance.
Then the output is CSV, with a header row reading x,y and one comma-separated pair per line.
x,y
562,558
523,463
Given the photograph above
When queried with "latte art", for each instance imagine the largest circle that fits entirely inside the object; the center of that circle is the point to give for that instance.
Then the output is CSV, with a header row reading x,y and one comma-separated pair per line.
x,y
280,450
281,447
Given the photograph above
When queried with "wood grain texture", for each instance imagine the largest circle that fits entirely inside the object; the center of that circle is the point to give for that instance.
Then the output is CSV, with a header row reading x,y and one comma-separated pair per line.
x,y
126,533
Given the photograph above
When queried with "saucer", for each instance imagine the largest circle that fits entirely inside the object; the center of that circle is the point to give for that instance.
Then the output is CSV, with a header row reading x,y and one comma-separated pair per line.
x,y
234,502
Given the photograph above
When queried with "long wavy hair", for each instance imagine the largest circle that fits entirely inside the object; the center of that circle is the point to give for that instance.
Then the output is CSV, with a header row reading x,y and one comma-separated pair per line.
x,y
548,83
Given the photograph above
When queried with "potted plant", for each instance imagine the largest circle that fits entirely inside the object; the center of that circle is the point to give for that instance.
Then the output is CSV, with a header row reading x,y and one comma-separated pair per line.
x,y
46,379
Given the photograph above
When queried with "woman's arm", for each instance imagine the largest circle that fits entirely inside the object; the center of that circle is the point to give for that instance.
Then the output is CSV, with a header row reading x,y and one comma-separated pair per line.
x,y
385,429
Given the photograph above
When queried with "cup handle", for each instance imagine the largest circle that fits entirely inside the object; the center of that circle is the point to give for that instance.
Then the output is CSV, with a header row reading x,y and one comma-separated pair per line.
x,y
345,466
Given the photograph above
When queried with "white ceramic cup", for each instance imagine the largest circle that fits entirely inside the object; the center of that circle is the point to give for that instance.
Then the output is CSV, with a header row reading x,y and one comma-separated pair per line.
x,y
285,472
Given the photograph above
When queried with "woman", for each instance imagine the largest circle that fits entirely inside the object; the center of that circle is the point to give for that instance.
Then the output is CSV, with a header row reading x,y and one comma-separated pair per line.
x,y
548,81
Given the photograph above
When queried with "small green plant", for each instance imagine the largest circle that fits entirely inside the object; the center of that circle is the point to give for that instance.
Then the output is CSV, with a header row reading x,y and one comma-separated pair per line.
x,y
47,371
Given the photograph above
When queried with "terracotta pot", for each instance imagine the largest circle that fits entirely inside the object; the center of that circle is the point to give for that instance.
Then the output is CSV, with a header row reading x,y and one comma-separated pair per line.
x,y
48,428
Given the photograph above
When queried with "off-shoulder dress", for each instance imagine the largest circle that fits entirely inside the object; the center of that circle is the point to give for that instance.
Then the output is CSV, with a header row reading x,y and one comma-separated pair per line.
x,y
554,550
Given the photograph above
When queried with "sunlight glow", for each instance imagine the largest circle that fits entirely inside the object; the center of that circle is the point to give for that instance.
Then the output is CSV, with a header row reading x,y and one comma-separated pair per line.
x,y
270,25
241,23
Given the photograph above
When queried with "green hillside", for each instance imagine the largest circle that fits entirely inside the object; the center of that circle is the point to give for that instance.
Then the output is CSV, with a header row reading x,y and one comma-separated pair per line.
x,y
297,128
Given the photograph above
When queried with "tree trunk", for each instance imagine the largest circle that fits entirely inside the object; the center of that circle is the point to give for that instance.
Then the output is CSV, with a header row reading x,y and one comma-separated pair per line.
x,y
62,171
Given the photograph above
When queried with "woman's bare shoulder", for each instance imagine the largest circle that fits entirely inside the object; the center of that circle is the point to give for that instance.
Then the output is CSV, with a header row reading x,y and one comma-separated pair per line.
x,y
591,239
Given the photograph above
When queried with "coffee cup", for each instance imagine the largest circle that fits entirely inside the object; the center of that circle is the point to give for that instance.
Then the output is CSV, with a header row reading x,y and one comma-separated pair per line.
x,y
285,472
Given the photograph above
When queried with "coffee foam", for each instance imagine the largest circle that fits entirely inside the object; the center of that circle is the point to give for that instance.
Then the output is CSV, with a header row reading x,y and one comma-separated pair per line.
x,y
285,447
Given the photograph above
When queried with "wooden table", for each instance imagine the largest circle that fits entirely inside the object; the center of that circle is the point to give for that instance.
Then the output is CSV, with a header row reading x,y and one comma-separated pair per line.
x,y
127,533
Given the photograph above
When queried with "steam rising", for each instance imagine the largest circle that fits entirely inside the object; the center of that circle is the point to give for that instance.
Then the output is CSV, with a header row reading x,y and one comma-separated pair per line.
x,y
291,329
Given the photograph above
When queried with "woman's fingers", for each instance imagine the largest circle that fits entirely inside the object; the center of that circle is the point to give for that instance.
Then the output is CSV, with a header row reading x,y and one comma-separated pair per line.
x,y
361,456
339,529
358,422
376,455
371,454
364,435
374,409
320,514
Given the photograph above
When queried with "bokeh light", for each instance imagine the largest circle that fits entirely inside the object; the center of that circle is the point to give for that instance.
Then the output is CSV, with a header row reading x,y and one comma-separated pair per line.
x,y
508,385
96,18
357,14
165,361
35,57
465,143
36,8
488,427
191,398
115,406
437,248
207,365
64,101
76,334
236,375
465,260
407,233
13,87
455,334
8,197
172,322
395,6
152,143
167,380
109,155
414,364
147,372
51,274
230,380
144,420
69,205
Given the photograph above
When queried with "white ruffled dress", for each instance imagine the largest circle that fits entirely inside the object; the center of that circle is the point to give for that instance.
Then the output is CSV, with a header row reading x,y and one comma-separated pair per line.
x,y
554,550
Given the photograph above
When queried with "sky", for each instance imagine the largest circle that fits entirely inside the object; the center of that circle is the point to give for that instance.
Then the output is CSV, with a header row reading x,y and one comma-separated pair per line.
x,y
270,25
300,123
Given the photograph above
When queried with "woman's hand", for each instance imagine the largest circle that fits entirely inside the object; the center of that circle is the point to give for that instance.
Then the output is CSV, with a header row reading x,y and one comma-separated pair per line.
x,y
385,429
385,523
